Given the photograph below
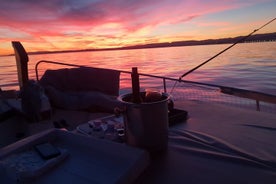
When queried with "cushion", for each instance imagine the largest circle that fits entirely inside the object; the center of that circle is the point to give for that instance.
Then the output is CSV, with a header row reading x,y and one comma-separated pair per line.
x,y
83,79
85,100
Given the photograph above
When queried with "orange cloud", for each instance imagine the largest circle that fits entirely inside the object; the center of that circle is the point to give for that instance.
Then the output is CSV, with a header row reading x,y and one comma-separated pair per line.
x,y
84,24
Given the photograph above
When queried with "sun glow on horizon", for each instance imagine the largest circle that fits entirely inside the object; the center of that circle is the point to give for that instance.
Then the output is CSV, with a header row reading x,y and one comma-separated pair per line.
x,y
97,24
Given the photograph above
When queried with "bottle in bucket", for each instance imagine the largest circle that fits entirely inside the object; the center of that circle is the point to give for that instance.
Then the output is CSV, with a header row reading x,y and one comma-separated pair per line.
x,y
136,98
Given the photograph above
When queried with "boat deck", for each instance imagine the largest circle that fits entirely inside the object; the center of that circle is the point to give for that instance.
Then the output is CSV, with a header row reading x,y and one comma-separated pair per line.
x,y
217,144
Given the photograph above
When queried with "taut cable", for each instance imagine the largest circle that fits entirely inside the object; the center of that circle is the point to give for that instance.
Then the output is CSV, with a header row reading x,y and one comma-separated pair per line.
x,y
238,41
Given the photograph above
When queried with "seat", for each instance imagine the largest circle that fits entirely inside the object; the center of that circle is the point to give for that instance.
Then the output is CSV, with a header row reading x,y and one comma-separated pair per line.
x,y
83,88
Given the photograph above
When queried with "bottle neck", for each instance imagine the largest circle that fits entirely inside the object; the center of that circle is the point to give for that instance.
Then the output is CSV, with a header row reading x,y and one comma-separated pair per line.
x,y
136,98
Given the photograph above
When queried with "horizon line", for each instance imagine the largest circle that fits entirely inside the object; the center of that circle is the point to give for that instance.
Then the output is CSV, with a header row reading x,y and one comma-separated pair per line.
x,y
163,44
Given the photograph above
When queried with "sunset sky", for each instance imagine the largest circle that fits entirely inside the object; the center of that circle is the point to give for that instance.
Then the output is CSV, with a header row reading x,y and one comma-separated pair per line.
x,y
52,25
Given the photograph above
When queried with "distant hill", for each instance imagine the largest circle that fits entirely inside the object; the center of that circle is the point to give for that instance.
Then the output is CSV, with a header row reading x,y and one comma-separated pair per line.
x,y
253,38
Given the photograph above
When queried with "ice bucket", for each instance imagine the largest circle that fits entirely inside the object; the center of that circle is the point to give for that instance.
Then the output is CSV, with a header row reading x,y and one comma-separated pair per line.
x,y
146,123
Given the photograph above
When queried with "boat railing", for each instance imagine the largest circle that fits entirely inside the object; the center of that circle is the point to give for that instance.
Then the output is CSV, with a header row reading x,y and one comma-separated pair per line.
x,y
192,90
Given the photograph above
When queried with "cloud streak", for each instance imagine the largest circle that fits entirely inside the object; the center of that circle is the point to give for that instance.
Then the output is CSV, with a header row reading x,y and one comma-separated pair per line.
x,y
120,21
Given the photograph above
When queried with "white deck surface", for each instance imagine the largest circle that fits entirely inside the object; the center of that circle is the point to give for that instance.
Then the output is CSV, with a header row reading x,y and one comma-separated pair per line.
x,y
217,144
89,160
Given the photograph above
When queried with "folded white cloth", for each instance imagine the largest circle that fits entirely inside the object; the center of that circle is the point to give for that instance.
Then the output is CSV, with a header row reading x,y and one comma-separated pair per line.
x,y
28,165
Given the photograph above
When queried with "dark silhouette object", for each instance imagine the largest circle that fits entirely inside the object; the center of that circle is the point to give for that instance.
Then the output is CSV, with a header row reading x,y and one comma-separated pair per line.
x,y
135,86
30,91
31,101
21,63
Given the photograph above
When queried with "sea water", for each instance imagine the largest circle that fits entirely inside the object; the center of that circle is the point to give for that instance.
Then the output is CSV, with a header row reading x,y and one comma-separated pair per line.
x,y
249,66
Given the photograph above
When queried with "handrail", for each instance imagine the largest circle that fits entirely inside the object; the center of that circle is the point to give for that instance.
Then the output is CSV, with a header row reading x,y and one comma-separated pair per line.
x,y
253,95
123,71
127,72
53,62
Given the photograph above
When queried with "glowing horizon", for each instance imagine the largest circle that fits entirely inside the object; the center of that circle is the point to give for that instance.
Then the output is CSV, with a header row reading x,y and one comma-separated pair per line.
x,y
90,24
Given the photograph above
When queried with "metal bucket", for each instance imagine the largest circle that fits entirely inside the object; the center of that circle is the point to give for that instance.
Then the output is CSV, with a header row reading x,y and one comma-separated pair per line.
x,y
146,124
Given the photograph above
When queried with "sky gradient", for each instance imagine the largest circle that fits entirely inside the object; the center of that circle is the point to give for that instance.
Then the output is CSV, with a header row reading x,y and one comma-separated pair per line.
x,y
54,25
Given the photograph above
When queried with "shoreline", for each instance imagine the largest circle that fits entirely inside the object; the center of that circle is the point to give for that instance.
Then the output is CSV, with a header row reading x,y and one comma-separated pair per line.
x,y
267,37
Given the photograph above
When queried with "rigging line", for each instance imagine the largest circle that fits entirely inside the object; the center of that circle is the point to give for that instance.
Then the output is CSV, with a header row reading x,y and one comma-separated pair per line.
x,y
238,41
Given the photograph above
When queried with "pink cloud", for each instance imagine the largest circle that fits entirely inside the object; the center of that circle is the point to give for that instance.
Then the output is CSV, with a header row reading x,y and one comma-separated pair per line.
x,y
57,16
83,18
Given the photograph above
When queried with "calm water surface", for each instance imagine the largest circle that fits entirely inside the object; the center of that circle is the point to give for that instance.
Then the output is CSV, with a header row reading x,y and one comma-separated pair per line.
x,y
248,66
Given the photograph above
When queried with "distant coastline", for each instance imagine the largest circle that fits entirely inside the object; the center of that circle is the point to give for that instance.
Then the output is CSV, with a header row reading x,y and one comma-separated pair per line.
x,y
268,37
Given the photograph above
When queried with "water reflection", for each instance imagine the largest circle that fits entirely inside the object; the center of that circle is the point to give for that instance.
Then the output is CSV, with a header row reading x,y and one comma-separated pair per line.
x,y
248,66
